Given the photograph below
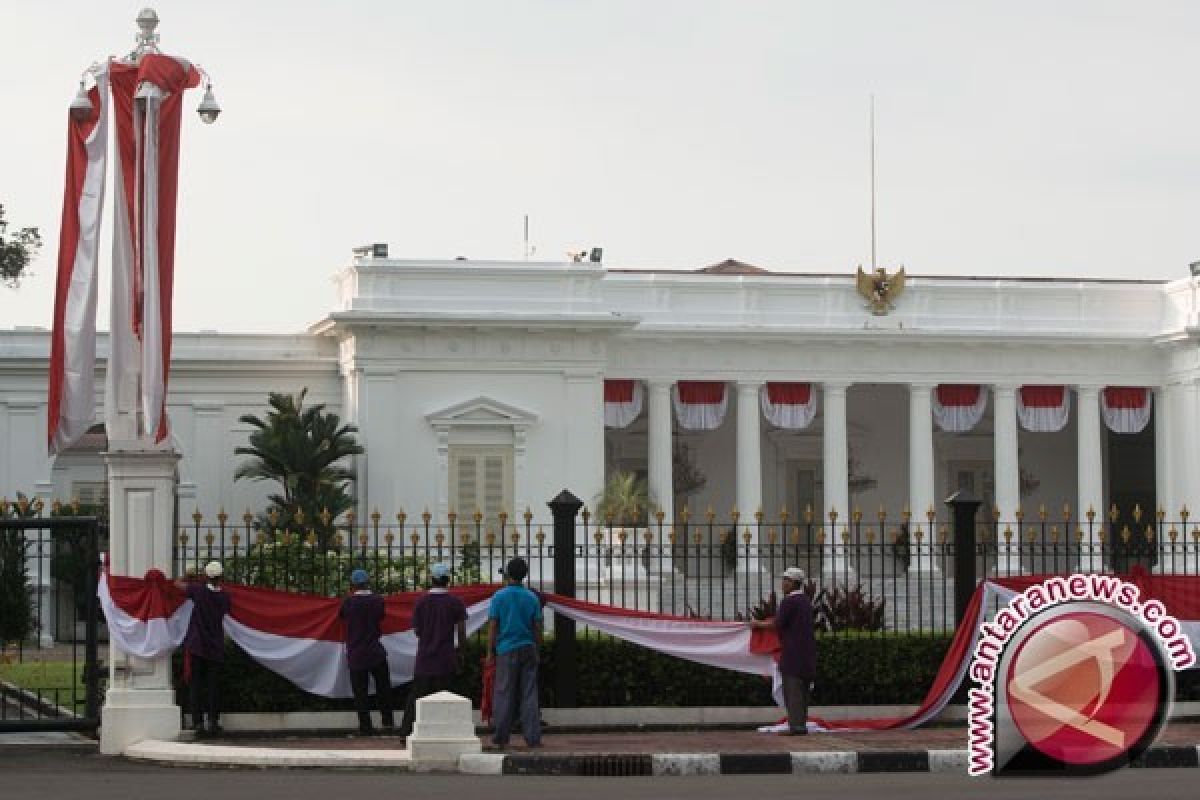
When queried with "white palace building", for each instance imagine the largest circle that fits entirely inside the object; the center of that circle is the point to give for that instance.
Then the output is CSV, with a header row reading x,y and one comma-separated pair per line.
x,y
494,385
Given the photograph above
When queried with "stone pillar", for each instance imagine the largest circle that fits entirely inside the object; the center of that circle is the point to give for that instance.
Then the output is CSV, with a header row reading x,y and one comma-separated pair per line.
x,y
444,730
140,703
837,481
1008,478
749,471
920,477
1090,467
584,457
658,449
1187,491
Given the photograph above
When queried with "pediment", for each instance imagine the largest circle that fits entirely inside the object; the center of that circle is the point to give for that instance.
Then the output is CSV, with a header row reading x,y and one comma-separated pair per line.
x,y
481,411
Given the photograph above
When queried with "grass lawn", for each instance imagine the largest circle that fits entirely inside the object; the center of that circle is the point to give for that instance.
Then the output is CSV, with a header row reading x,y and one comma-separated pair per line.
x,y
52,680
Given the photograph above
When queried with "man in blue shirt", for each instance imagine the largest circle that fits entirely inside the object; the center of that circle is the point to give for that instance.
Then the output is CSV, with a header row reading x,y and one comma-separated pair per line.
x,y
514,638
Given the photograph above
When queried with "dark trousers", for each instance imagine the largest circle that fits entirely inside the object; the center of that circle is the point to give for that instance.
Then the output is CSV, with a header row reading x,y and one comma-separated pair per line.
x,y
204,682
517,686
795,697
422,686
383,691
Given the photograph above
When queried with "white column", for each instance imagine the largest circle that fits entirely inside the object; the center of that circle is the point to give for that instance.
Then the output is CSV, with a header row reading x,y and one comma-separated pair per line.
x,y
583,466
140,703
1090,467
1163,492
1008,477
836,479
749,470
920,476
658,448
1187,492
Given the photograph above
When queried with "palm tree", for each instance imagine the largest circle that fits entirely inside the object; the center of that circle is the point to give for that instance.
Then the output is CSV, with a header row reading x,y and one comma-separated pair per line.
x,y
301,449
625,499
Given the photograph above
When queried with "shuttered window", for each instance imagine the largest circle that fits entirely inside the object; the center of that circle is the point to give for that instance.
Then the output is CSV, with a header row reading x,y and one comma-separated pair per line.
x,y
481,478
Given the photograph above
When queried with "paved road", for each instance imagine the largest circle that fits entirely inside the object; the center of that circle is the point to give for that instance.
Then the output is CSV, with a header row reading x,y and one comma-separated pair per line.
x,y
57,774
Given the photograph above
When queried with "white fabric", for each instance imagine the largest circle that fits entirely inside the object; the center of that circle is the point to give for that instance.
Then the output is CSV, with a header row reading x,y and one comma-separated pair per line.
x,y
1126,420
145,639
700,416
959,419
791,416
622,415
121,370
1044,419
153,379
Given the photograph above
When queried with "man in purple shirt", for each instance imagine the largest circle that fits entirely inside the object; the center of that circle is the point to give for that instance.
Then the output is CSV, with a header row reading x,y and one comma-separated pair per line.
x,y
798,657
204,644
363,614
436,618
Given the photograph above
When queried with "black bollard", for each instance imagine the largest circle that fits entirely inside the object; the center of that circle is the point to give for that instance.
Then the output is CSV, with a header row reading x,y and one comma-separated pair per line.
x,y
963,505
564,507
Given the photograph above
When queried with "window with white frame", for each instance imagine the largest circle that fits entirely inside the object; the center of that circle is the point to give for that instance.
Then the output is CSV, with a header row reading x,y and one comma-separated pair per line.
x,y
481,477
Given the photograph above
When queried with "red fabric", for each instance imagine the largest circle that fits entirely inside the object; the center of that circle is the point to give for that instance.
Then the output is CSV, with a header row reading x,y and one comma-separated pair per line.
x,y
701,392
1125,396
618,391
795,394
1043,396
958,394
765,641
485,693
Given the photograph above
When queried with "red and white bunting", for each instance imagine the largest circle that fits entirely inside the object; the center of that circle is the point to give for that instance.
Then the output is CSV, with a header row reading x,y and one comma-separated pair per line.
x,y
622,402
1126,409
1043,409
700,405
958,407
72,393
788,405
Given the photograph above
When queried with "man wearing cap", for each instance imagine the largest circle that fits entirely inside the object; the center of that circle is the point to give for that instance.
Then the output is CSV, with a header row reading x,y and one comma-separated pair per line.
x,y
363,614
437,616
514,636
798,657
204,644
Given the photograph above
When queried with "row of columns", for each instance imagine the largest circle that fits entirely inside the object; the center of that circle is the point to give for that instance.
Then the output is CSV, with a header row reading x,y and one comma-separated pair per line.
x,y
921,458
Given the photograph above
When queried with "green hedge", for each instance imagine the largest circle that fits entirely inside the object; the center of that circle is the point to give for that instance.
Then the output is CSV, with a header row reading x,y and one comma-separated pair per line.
x,y
851,670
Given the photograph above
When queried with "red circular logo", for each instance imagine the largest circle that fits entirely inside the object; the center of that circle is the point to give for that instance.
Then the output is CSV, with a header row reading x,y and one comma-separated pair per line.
x,y
1083,688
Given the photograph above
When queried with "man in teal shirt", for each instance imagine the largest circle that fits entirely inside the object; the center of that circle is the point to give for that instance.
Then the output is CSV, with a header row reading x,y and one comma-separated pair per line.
x,y
514,638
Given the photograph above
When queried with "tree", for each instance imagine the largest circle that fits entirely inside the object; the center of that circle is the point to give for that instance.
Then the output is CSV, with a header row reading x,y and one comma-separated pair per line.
x,y
17,251
301,449
625,500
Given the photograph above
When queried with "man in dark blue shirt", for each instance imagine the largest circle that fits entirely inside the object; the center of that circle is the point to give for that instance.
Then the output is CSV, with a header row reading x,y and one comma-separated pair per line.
x,y
514,635
204,645
437,617
798,648
363,614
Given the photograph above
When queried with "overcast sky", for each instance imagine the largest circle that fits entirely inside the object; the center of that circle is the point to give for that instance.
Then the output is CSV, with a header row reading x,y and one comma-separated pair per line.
x,y
1014,138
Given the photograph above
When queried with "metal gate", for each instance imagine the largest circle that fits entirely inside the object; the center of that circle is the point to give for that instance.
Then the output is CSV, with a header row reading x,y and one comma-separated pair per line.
x,y
50,677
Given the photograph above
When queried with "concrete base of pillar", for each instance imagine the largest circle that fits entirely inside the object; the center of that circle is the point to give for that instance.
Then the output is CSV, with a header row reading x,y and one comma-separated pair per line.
x,y
134,715
444,730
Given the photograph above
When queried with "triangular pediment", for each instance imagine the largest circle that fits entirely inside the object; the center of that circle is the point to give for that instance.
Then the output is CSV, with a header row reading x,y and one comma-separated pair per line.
x,y
482,411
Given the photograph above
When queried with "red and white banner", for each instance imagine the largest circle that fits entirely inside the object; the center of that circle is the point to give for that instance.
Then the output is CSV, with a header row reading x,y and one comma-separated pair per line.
x,y
72,395
1043,409
788,405
1126,409
700,405
958,407
622,402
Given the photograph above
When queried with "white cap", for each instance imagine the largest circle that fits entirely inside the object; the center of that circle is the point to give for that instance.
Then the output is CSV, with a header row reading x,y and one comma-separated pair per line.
x,y
794,574
213,569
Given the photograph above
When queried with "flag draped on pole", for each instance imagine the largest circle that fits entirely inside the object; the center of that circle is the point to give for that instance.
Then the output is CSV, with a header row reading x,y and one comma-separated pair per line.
x,y
73,344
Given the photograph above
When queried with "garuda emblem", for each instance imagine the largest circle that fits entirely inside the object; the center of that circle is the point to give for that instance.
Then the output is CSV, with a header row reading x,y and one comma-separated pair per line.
x,y
880,289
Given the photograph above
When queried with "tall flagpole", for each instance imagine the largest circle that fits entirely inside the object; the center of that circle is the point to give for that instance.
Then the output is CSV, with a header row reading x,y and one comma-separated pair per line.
x,y
873,263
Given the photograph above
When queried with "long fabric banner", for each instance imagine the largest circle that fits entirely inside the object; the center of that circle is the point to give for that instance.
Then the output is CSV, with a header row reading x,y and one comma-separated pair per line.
x,y
301,637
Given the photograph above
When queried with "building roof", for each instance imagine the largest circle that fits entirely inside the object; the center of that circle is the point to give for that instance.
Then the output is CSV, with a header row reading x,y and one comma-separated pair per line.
x,y
733,267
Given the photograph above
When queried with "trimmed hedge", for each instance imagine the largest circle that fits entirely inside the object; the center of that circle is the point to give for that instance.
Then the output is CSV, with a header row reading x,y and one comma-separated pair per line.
x,y
887,669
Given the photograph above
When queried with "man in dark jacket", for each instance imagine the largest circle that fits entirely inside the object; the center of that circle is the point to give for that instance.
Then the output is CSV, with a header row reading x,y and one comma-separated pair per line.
x,y
798,657
363,614
204,645
437,618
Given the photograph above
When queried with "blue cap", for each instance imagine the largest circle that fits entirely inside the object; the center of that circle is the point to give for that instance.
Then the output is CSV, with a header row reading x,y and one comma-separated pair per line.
x,y
440,570
359,577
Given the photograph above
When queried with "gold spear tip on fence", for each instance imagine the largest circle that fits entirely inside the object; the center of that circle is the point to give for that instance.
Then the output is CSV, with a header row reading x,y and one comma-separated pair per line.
x,y
1091,513
197,516
426,516
1042,512
1137,512
1113,514
833,514
222,517
930,514
906,513
248,518
325,517
735,514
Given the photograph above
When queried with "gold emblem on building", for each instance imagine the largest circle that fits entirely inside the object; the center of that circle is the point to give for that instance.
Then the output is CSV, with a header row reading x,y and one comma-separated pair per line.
x,y
880,289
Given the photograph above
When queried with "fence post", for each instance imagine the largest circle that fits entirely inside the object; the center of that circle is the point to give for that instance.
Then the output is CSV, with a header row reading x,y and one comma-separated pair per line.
x,y
963,505
564,508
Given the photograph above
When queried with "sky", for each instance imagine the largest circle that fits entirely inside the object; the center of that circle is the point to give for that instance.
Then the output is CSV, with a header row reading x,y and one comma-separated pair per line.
x,y
1017,138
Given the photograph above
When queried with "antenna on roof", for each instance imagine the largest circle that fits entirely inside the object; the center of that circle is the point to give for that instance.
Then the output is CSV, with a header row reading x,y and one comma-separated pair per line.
x,y
873,264
529,249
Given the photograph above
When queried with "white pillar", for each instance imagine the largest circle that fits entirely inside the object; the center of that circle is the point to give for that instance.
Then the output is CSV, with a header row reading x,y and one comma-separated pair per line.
x,y
584,458
140,703
658,449
920,476
1090,467
1163,490
1187,492
837,479
1008,478
749,470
